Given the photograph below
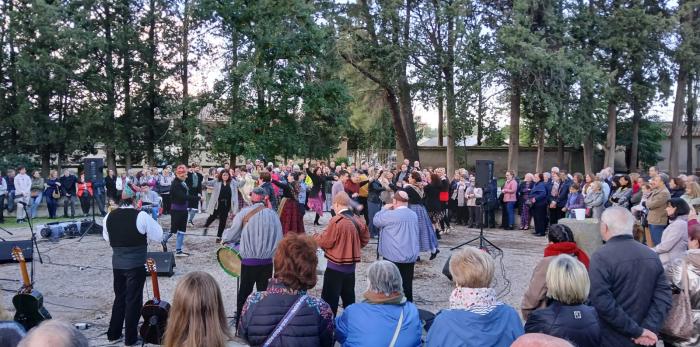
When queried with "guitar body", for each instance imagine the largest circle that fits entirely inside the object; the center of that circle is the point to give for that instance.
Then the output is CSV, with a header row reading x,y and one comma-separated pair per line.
x,y
155,319
28,302
154,311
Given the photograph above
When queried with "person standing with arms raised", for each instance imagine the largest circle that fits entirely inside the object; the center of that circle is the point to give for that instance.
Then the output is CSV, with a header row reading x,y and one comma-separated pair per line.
x,y
399,238
127,230
180,197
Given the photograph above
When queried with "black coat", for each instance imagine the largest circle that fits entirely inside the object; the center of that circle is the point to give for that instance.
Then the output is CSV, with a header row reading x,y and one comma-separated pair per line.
x,y
194,192
628,290
563,193
576,324
318,181
311,325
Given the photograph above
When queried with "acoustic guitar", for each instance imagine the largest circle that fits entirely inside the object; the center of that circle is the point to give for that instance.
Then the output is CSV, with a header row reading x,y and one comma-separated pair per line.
x,y
154,311
28,302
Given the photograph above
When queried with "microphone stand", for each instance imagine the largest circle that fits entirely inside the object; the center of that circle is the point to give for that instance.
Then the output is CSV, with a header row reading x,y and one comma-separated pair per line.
x,y
34,243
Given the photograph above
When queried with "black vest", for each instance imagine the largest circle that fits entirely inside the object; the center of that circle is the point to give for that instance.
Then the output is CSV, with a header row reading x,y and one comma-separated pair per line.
x,y
121,227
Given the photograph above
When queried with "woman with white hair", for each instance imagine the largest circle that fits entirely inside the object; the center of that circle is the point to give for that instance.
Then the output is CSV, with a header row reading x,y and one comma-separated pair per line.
x,y
384,318
566,316
475,316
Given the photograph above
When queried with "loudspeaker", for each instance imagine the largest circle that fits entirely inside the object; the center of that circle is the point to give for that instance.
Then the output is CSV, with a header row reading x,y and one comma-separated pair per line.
x,y
484,173
446,269
165,262
6,250
92,167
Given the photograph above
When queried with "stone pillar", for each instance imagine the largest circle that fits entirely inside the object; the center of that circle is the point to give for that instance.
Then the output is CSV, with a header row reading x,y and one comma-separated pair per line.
x,y
586,233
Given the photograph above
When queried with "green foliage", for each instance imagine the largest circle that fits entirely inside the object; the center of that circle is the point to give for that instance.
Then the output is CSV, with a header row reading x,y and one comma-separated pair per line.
x,y
13,161
651,134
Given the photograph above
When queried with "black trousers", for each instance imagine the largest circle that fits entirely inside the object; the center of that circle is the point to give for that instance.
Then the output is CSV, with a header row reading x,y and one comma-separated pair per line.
x,y
85,204
539,213
221,213
555,214
406,270
257,275
166,203
338,285
475,217
128,299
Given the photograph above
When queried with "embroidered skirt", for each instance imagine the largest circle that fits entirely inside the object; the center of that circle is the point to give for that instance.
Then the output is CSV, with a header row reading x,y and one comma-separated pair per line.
x,y
427,239
316,203
291,219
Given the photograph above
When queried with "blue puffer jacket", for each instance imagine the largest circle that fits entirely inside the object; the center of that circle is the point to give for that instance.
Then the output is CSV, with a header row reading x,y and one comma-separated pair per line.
x,y
311,326
576,324
366,324
539,193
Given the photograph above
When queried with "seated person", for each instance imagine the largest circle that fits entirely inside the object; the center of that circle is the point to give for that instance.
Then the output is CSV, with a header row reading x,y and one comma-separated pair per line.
x,y
475,317
566,316
311,322
375,321
197,315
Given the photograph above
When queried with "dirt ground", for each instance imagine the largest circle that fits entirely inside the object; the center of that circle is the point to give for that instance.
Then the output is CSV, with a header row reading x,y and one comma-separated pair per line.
x,y
76,278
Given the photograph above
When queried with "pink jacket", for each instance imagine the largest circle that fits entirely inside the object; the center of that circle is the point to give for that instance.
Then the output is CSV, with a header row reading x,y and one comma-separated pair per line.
x,y
510,188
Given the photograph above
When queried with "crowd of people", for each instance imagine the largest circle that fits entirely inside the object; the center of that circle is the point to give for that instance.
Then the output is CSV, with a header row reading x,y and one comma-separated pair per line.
x,y
618,296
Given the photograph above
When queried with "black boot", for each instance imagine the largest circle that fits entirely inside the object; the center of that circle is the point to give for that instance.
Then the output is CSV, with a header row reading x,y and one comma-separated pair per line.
x,y
316,219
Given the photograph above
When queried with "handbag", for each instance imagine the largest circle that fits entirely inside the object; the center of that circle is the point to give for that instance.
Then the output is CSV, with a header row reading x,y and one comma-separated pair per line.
x,y
56,194
285,320
679,322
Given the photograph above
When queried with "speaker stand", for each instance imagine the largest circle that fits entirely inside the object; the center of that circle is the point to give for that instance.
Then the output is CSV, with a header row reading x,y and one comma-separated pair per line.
x,y
93,224
483,242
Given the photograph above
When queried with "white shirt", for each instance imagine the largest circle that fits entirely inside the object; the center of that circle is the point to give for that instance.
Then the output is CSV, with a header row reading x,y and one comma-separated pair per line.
x,y
23,184
145,224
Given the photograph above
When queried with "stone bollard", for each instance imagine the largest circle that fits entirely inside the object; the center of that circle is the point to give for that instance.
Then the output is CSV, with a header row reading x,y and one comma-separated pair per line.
x,y
586,233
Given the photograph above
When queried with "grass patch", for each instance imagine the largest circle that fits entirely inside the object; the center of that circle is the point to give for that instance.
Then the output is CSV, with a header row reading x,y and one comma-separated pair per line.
x,y
11,222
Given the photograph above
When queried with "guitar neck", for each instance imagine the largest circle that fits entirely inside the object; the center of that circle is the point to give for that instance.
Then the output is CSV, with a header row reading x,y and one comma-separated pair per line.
x,y
154,282
25,274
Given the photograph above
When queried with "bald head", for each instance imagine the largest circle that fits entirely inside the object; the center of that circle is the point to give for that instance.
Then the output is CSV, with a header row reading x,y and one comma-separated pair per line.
x,y
540,340
54,333
616,221
342,200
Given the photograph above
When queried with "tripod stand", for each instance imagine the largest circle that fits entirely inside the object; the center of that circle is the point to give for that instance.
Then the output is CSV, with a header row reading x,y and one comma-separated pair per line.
x,y
93,223
483,242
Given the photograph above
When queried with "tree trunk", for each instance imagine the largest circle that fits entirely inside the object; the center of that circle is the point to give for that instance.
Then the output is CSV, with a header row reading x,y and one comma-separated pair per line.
x,y
479,115
634,151
540,148
678,110
125,52
610,144
45,161
690,113
149,136
514,140
560,153
448,72
185,141
441,119
110,128
401,138
588,154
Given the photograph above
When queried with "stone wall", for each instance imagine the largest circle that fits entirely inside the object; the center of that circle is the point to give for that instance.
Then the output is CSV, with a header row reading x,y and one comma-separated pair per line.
x,y
467,156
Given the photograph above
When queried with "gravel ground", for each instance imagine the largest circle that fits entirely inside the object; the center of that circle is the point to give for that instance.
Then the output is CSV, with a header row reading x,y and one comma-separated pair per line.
x,y
76,278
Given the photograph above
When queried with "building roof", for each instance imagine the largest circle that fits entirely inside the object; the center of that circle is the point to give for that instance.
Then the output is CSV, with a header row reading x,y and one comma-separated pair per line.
x,y
684,128
433,141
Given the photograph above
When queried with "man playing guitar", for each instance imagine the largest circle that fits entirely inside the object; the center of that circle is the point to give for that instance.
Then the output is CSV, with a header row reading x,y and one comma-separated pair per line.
x,y
127,230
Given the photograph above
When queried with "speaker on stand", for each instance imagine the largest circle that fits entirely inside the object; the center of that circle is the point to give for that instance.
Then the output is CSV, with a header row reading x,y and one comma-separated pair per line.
x,y
92,168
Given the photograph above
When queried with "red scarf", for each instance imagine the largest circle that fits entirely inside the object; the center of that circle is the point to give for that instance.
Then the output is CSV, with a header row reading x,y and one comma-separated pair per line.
x,y
569,248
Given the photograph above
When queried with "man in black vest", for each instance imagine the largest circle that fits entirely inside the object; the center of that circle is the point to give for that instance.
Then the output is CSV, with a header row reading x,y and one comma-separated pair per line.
x,y
127,230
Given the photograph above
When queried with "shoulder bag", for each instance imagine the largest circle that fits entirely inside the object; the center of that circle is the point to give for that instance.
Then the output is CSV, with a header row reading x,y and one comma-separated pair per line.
x,y
285,320
679,321
397,330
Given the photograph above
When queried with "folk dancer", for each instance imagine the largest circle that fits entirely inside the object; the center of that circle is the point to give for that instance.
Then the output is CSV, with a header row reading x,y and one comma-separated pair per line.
x,y
258,230
342,241
180,196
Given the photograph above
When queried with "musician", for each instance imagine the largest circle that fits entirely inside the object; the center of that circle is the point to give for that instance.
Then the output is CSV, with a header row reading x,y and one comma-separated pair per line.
x,y
180,197
259,230
150,201
126,229
342,241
